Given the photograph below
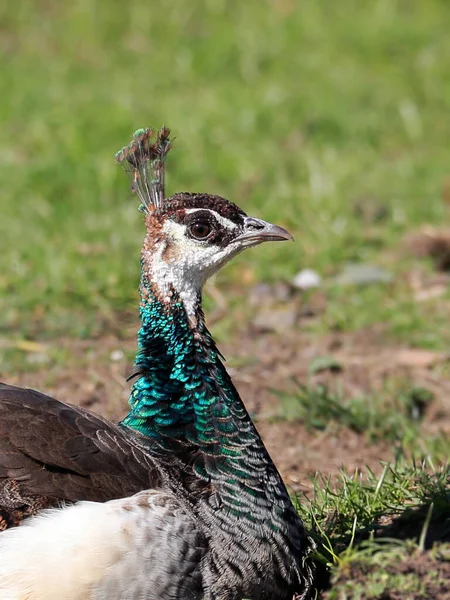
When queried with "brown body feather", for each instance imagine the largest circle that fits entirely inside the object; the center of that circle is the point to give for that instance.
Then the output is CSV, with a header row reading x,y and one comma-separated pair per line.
x,y
52,452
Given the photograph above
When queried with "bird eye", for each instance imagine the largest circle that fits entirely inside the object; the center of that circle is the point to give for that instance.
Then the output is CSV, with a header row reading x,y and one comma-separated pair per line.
x,y
200,230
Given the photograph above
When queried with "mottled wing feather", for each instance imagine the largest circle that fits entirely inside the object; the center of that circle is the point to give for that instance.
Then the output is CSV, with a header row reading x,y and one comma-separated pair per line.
x,y
66,452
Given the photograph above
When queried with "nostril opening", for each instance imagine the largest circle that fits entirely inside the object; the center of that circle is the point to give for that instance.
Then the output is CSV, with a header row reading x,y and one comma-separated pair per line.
x,y
254,224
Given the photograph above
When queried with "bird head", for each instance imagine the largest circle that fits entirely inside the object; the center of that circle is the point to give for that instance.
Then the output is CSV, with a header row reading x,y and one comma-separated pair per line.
x,y
190,236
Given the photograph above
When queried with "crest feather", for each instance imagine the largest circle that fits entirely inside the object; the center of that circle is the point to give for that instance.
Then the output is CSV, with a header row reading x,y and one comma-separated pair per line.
x,y
145,159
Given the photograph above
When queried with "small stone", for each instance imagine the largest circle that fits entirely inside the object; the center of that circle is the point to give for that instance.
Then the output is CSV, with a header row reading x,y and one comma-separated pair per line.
x,y
260,292
306,280
37,358
116,355
356,274
281,291
276,319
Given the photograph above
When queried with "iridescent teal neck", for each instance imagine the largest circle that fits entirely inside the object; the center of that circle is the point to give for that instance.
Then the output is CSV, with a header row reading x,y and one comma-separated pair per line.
x,y
158,402
184,394
183,391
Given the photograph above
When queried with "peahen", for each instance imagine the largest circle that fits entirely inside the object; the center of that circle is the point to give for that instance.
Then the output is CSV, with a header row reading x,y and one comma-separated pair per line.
x,y
180,500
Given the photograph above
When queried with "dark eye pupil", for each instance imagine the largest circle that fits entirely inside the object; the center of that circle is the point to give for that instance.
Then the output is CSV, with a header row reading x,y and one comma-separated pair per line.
x,y
200,230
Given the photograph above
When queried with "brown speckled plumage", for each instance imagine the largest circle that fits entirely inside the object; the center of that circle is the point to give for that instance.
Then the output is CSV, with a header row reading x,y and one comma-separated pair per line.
x,y
186,200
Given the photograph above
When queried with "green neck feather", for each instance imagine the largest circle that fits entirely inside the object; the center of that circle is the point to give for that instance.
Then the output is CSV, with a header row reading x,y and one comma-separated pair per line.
x,y
183,390
184,394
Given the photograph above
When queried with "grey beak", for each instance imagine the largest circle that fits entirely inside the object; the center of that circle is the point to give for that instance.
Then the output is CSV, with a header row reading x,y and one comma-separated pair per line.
x,y
257,231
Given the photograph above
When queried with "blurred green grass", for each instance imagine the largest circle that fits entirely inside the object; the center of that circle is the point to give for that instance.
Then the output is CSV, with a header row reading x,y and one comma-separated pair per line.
x,y
383,536
296,111
301,112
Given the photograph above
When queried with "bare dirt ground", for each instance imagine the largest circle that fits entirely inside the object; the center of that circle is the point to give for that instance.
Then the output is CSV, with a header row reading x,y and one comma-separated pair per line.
x,y
434,579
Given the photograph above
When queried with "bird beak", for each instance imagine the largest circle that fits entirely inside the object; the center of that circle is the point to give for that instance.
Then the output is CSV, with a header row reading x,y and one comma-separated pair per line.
x,y
257,231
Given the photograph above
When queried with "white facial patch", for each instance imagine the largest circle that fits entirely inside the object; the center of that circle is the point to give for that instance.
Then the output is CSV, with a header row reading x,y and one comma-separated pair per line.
x,y
184,264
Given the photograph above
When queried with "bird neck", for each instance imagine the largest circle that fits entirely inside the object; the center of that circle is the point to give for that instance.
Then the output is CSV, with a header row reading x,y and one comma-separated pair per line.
x,y
183,392
168,354
185,404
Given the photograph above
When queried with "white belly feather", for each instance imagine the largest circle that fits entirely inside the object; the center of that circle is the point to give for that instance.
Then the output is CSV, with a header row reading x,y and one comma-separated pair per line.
x,y
84,551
